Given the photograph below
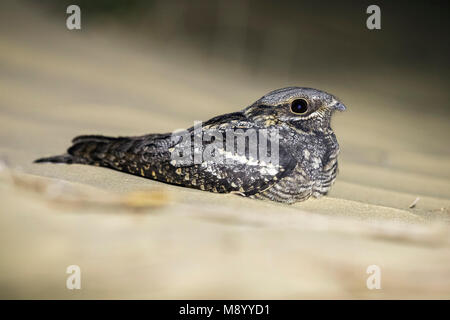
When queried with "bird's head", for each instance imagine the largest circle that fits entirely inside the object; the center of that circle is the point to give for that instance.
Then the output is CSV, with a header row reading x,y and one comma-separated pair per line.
x,y
306,109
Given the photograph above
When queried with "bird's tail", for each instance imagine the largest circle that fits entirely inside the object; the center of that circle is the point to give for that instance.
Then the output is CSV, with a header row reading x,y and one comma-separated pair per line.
x,y
87,149
64,158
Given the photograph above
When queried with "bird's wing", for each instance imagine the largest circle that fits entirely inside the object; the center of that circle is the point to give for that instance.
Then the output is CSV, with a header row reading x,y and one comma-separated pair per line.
x,y
219,168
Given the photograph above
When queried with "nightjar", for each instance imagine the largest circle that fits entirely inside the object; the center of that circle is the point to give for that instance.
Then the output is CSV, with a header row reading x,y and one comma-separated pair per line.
x,y
280,148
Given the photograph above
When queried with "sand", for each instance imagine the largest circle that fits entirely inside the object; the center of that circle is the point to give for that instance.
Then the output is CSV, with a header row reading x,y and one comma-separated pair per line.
x,y
181,243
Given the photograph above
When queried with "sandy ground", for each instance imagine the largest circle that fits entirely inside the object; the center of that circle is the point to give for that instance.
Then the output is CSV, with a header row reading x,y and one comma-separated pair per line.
x,y
56,84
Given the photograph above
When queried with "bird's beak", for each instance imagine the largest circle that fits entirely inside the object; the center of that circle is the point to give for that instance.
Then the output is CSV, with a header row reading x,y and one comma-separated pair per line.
x,y
338,106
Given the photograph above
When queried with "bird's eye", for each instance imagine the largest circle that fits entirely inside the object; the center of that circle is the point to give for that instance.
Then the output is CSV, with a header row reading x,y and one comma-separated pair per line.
x,y
299,106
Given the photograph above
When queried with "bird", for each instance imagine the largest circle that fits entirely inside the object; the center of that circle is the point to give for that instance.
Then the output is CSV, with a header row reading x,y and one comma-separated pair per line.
x,y
280,148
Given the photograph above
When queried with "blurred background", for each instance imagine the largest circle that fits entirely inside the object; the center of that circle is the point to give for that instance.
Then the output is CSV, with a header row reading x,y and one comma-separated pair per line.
x,y
139,67
326,40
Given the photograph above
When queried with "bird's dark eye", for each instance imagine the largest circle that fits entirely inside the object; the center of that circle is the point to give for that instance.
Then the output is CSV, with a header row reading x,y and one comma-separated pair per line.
x,y
299,106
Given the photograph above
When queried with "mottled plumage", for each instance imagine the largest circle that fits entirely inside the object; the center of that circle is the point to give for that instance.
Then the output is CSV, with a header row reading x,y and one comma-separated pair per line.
x,y
307,153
